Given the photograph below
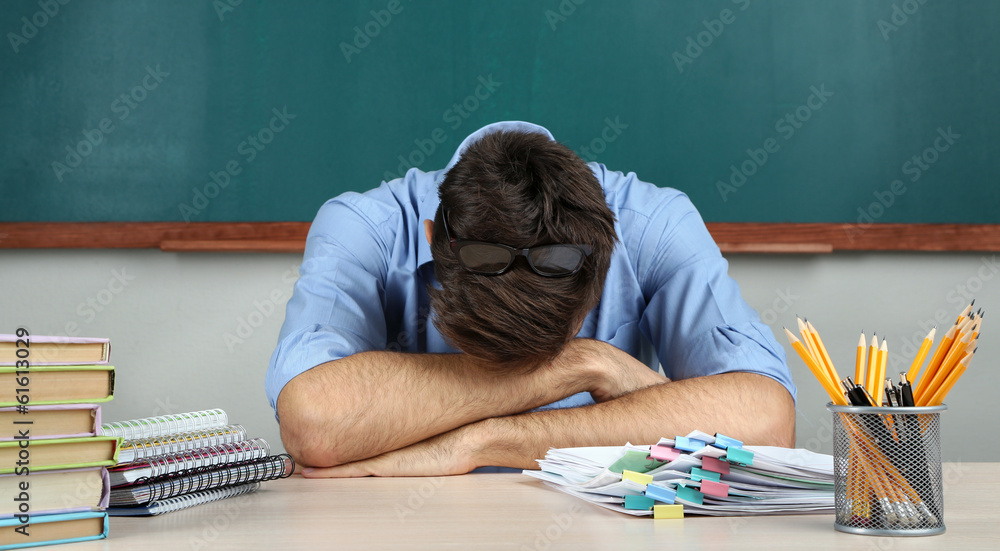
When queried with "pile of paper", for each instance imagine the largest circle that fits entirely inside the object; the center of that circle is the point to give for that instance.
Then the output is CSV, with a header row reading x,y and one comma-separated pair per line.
x,y
707,475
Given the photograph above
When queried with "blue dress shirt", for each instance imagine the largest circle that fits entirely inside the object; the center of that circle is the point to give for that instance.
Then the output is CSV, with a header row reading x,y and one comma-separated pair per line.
x,y
667,299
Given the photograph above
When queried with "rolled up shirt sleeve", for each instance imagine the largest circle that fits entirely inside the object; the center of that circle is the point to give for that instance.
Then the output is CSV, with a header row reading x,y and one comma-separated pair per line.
x,y
336,309
695,317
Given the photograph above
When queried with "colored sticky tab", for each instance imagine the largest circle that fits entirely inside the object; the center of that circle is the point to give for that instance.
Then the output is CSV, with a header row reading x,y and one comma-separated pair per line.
x,y
714,465
664,453
635,461
688,444
636,477
668,511
701,474
690,495
724,442
717,489
639,503
739,455
660,493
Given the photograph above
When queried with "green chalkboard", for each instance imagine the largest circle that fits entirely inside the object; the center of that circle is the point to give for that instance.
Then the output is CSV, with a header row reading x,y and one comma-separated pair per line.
x,y
762,111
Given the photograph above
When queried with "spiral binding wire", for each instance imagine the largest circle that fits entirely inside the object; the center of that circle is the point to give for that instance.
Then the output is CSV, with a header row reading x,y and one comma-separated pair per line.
x,y
143,449
163,425
184,501
220,454
147,489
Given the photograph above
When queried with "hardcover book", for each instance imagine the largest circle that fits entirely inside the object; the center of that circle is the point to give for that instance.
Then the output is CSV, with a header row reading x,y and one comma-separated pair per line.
x,y
51,421
57,384
52,529
45,350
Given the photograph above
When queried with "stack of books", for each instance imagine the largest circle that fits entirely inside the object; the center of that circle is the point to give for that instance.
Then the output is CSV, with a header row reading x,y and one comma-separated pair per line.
x,y
54,484
694,474
173,462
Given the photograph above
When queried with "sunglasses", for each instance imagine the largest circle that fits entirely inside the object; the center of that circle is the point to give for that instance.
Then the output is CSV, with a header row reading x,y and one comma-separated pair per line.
x,y
484,258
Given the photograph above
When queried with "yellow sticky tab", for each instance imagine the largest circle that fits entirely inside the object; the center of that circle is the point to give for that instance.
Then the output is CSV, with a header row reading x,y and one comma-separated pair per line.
x,y
637,477
668,511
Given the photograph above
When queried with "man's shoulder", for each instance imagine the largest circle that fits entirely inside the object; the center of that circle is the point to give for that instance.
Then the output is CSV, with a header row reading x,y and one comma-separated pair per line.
x,y
629,195
384,207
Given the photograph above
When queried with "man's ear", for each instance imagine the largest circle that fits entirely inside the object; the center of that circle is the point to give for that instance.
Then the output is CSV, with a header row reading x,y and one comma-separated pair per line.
x,y
429,230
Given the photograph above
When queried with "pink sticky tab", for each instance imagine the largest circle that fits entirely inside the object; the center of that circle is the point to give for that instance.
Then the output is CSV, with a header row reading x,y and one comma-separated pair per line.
x,y
663,453
715,465
711,488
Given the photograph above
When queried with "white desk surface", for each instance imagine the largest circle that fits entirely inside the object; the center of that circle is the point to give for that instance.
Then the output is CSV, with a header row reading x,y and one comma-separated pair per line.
x,y
512,511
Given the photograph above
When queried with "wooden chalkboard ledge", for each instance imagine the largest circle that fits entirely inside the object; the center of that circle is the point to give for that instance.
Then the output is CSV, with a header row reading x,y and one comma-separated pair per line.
x,y
289,237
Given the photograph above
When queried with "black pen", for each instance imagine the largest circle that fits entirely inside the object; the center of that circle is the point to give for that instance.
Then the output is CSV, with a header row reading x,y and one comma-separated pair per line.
x,y
905,392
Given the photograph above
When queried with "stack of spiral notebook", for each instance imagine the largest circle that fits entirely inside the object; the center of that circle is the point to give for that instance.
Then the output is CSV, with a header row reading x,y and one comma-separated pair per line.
x,y
173,462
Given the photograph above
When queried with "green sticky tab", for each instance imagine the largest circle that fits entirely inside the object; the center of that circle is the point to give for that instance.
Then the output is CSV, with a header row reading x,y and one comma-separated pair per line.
x,y
639,503
636,477
698,474
637,461
740,456
690,495
668,511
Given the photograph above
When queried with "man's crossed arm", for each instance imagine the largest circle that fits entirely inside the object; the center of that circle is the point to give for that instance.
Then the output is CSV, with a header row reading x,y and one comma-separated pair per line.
x,y
394,414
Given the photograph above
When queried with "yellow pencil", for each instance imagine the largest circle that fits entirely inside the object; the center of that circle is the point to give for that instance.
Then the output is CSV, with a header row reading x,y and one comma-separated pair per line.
x,y
935,363
872,356
824,356
883,354
807,340
859,364
925,347
821,375
955,355
966,312
938,398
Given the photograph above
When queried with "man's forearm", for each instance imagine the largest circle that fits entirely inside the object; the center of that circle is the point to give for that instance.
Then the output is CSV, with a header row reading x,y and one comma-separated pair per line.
x,y
374,402
750,407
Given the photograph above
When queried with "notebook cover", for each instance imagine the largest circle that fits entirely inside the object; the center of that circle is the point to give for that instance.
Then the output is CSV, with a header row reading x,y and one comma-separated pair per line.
x,y
40,519
57,339
185,501
90,367
96,415
35,443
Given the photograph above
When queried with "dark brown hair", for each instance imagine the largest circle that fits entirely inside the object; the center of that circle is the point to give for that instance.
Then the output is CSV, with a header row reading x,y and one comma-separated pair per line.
x,y
520,189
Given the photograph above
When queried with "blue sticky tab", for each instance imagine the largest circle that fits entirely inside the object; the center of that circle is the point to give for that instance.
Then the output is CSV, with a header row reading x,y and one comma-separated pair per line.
x,y
661,494
639,503
698,474
690,495
688,444
740,456
724,442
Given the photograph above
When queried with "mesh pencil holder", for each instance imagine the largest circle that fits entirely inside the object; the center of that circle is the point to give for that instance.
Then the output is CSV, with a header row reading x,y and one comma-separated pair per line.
x,y
887,470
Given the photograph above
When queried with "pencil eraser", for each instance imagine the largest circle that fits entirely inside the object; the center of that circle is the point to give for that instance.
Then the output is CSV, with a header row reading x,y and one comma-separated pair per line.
x,y
724,442
690,495
712,488
661,493
688,444
701,474
739,455
715,465
668,511
663,453
639,503
636,477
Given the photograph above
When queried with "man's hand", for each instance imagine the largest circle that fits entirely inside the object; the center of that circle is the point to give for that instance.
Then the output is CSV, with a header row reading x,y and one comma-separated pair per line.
x,y
453,452
614,373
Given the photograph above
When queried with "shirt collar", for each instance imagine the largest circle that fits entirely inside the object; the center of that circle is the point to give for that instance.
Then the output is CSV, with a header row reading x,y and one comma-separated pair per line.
x,y
429,204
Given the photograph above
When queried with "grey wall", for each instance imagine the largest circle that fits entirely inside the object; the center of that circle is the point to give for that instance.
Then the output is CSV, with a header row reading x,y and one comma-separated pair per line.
x,y
195,331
